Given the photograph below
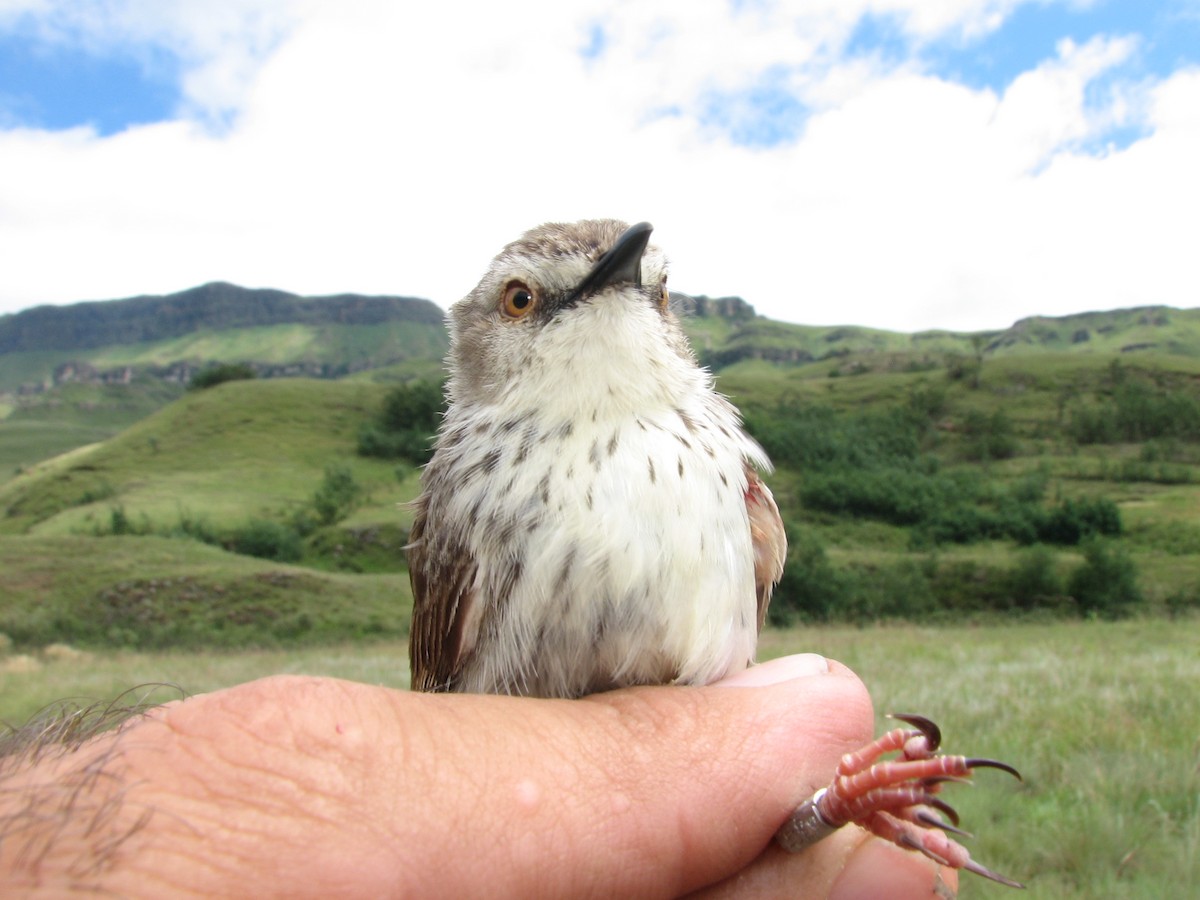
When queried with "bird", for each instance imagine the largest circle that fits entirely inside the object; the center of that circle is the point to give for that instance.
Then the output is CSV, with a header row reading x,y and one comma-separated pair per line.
x,y
595,516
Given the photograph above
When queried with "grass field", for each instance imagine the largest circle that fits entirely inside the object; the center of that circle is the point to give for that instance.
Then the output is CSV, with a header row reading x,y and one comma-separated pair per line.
x,y
1102,719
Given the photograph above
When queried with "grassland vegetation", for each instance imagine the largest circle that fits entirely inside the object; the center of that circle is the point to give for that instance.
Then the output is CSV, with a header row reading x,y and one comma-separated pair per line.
x,y
406,424
1018,496
220,373
1098,716
911,492
1062,526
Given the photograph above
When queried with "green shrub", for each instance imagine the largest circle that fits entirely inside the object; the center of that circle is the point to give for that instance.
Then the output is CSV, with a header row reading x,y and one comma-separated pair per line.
x,y
418,405
1137,411
219,374
900,591
811,437
988,437
267,540
1034,581
811,590
896,495
337,496
119,521
406,424
1106,584
376,442
1073,521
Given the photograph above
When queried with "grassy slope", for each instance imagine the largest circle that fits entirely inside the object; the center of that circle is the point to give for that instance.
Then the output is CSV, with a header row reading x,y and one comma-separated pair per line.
x,y
238,451
1036,391
241,449
36,427
1160,330
180,593
257,450
1110,805
40,426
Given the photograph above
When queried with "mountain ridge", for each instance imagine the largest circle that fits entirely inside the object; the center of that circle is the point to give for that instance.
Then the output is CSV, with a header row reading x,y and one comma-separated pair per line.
x,y
216,305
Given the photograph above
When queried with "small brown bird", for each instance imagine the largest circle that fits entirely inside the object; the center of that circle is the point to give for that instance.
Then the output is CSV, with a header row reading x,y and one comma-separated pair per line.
x,y
593,517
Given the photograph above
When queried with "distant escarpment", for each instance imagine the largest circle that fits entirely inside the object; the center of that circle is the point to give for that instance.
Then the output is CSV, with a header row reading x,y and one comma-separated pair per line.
x,y
212,307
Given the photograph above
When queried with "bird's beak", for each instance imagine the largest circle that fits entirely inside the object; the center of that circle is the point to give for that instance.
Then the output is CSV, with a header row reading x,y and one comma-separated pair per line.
x,y
622,263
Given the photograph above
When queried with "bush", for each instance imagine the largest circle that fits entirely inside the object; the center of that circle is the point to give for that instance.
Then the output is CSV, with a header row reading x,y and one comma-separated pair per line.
x,y
337,496
417,406
267,540
1076,520
811,590
1137,412
374,441
406,425
219,374
1034,581
1106,584
119,521
895,495
816,437
988,437
900,591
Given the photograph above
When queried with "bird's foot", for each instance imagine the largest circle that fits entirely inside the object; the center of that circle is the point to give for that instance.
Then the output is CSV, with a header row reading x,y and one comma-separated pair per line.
x,y
896,798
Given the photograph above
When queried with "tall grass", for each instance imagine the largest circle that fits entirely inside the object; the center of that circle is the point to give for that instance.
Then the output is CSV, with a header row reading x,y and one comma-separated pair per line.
x,y
1101,718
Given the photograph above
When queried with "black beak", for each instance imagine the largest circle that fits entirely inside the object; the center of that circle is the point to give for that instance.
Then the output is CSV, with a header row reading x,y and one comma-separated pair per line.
x,y
620,264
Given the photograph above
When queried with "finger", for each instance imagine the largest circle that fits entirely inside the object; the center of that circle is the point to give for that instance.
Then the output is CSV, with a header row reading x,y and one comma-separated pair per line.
x,y
848,865
653,791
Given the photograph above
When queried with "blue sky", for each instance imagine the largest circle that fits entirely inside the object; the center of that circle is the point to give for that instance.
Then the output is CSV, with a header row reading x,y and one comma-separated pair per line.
x,y
61,81
1168,35
906,168
58,84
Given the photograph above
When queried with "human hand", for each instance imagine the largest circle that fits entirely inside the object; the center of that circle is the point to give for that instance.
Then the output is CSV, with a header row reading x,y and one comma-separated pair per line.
x,y
296,786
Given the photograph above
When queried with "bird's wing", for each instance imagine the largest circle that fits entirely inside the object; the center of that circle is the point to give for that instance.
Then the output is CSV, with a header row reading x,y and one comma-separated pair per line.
x,y
445,617
768,538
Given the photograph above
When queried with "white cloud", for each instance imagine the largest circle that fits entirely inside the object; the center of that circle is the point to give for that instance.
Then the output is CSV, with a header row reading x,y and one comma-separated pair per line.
x,y
388,147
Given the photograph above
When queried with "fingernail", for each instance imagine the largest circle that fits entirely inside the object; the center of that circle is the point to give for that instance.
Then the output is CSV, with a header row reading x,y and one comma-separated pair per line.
x,y
777,671
878,869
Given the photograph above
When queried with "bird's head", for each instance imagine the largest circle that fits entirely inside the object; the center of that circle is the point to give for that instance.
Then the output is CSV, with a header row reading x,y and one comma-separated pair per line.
x,y
571,313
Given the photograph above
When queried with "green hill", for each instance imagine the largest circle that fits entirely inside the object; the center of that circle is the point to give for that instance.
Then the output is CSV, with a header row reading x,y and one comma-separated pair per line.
x,y
915,471
1150,329
211,307
77,374
908,493
168,338
240,449
183,480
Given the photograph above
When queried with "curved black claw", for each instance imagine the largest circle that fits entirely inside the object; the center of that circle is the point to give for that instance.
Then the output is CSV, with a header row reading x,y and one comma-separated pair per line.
x,y
981,763
934,780
945,808
933,734
934,822
972,866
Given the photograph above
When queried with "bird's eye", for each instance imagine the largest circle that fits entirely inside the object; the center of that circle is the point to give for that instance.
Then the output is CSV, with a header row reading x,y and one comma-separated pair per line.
x,y
519,300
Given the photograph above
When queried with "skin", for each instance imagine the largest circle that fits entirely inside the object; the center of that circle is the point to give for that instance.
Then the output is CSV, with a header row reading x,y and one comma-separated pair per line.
x,y
297,786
